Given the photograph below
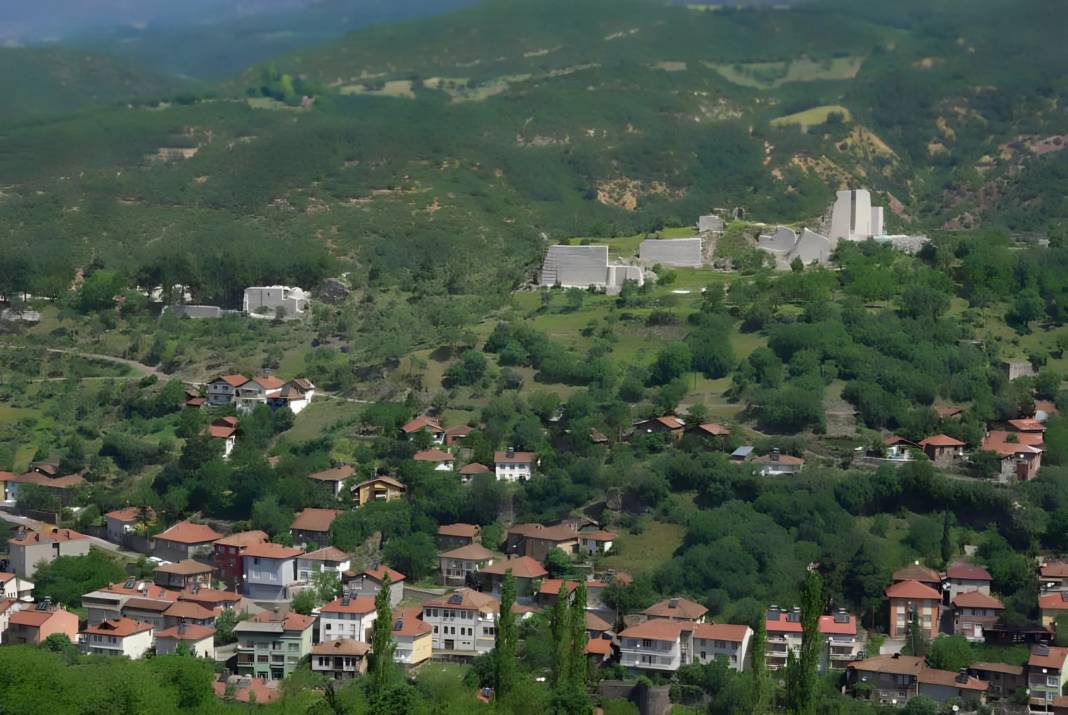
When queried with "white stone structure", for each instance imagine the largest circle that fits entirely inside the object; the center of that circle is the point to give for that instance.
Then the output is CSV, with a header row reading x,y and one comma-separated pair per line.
x,y
676,252
585,267
265,301
853,218
786,245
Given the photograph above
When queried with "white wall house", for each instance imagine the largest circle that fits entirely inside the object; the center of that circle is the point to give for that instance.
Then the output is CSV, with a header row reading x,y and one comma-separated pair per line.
x,y
722,640
200,639
121,636
347,617
329,558
269,570
265,302
463,622
653,645
513,466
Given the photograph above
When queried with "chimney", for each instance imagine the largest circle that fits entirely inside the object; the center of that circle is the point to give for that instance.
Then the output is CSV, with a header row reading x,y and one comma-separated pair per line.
x,y
673,603
181,628
962,676
510,452
1042,649
775,454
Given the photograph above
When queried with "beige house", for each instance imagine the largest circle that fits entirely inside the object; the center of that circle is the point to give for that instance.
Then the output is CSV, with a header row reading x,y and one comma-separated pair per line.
x,y
121,636
340,659
28,549
460,566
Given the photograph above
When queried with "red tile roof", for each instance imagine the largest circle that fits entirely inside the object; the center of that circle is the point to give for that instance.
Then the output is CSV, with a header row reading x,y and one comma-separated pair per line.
x,y
335,474
474,468
1000,443
469,531
671,422
683,608
422,422
118,627
232,380
150,591
1056,601
599,646
410,623
940,440
976,599
191,632
220,431
657,629
892,664
55,536
359,605
433,455
290,620
268,382
514,458
467,600
189,609
596,623
1055,659
916,572
384,479
1027,425
264,690
379,574
129,514
34,618
243,538
715,429
212,596
314,520
827,626
557,533
911,589
186,532
944,411
947,678
599,535
552,586
522,567
999,668
342,646
185,567
780,459
721,632
971,572
1054,569
268,550
327,553
469,552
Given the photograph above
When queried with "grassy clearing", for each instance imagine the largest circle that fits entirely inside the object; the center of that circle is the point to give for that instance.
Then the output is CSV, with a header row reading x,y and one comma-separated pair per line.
x,y
639,553
772,75
9,414
319,417
401,88
813,117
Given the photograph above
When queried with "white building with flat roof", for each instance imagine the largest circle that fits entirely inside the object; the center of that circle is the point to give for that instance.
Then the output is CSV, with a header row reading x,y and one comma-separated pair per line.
x,y
586,267
853,218
266,301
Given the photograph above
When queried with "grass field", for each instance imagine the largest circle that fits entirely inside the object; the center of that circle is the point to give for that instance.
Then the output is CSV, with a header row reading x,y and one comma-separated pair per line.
x,y
393,88
813,117
772,75
639,553
318,417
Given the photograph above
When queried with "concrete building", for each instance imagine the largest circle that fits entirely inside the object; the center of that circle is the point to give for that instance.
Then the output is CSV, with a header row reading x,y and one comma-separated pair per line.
x,y
896,679
460,567
109,602
841,641
853,218
722,640
28,549
347,617
334,479
272,301
31,626
328,559
312,526
227,555
710,224
442,460
674,252
125,521
270,571
412,638
340,659
1047,676
654,645
908,597
182,574
513,466
186,540
963,577
270,644
223,389
525,570
370,582
13,588
463,623
785,245
974,611
537,540
586,267
199,639
451,536
121,636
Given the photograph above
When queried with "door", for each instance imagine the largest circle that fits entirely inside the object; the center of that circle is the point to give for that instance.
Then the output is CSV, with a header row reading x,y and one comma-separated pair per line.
x,y
450,644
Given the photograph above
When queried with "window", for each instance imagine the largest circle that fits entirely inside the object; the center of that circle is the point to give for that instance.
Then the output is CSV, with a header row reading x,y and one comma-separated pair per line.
x,y
1053,680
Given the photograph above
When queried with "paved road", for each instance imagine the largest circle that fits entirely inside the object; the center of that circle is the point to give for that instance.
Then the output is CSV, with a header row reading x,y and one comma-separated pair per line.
x,y
95,541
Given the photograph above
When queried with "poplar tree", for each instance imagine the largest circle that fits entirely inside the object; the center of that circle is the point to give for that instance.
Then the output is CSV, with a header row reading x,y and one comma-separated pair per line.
x,y
578,636
382,638
760,665
808,665
559,625
504,643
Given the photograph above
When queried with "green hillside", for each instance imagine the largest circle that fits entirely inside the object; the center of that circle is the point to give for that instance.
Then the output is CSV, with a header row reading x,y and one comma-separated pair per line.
x,y
44,81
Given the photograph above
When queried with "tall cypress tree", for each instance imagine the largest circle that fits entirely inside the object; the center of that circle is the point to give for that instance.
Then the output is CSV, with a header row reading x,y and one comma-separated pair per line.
x,y
811,643
578,636
947,539
559,624
758,653
504,642
382,638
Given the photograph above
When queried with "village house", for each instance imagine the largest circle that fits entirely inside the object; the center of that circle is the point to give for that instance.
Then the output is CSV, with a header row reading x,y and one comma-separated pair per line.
x,y
256,391
243,689
1015,369
460,566
897,449
451,536
1053,576
597,627
1002,679
29,549
340,659
312,526
442,460
942,449
413,639
549,591
1051,605
182,574
270,571
713,429
14,588
224,431
294,395
380,488
186,540
121,636
595,543
916,572
776,463
722,640
654,645
468,471
60,487
148,610
7,608
227,555
457,433
189,613
908,597
126,520
109,602
328,559
213,599
286,302
424,424
525,570
669,425
31,626
513,466
677,609
537,540
334,479
370,582
463,623
1047,669
896,679
963,577
599,651
223,389
841,642
347,617
1019,461
270,644
199,639
973,612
